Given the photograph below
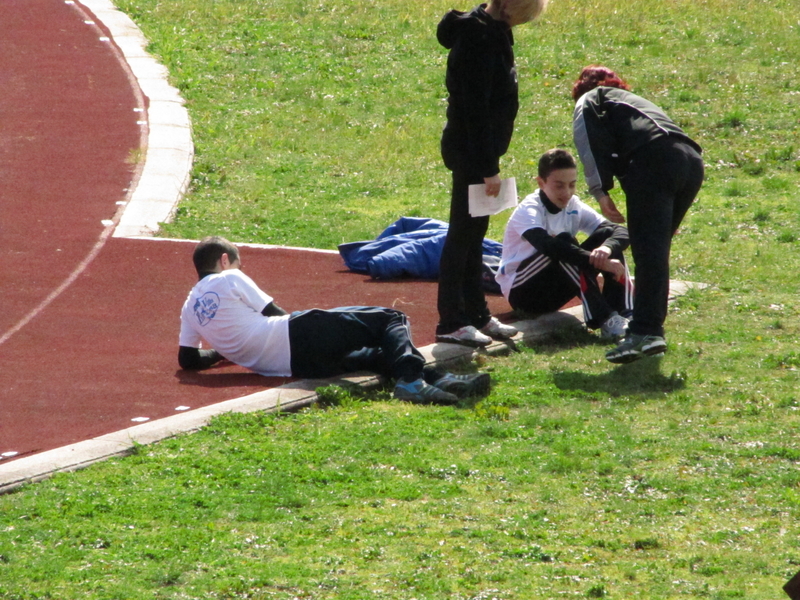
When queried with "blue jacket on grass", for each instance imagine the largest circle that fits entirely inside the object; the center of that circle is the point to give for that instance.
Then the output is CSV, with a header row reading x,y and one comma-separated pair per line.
x,y
410,246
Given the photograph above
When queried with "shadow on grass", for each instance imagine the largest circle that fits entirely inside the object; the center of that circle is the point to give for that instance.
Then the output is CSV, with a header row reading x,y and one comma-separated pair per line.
x,y
641,378
564,338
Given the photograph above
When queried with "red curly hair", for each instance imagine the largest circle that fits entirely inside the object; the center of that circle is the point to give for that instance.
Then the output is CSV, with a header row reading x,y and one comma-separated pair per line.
x,y
594,76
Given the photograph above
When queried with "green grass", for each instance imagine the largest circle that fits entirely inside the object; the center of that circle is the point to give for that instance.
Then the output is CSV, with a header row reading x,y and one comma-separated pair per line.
x,y
570,478
317,123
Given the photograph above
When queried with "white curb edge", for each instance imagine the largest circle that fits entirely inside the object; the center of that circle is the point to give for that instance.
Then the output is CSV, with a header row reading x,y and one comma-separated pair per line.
x,y
169,149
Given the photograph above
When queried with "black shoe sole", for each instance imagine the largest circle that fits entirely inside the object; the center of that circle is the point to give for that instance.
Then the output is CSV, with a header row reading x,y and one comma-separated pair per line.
x,y
656,352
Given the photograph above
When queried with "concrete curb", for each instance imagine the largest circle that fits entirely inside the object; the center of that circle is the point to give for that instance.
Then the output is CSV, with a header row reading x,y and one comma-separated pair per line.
x,y
169,152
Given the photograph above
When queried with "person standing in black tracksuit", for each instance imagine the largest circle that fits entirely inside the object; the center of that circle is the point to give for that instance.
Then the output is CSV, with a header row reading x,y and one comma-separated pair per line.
x,y
619,134
483,101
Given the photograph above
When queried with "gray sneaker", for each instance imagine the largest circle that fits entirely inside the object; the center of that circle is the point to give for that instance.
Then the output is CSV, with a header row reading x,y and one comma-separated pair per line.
x,y
464,386
636,346
614,327
420,392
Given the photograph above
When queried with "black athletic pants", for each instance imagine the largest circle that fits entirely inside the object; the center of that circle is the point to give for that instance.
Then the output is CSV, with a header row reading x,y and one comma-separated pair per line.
x,y
325,343
548,285
461,299
661,182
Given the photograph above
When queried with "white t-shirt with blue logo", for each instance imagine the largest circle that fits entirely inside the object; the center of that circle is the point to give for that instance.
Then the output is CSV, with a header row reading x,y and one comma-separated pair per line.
x,y
224,309
531,213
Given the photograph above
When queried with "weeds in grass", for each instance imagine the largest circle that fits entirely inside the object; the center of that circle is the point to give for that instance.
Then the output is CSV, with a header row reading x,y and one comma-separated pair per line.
x,y
334,395
761,215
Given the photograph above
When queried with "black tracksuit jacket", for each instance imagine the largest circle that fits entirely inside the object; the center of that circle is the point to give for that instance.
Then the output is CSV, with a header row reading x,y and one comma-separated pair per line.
x,y
483,92
609,124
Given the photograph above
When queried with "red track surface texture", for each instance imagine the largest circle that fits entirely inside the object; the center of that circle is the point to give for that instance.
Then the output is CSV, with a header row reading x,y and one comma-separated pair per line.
x,y
89,326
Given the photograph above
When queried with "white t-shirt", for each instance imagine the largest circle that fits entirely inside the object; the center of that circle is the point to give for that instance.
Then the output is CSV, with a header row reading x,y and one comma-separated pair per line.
x,y
224,309
531,214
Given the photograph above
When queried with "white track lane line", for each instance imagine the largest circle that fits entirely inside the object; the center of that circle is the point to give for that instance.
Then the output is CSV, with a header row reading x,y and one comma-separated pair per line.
x,y
64,285
88,18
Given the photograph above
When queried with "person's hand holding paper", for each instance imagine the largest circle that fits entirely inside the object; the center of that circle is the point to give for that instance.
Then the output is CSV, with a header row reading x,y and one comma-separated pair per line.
x,y
482,205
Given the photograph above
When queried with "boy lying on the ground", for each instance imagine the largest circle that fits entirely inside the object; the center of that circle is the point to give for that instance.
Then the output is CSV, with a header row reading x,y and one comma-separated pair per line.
x,y
244,325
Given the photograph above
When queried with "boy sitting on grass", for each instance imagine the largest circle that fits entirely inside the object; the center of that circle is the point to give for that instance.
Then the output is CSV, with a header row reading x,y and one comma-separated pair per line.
x,y
244,325
544,266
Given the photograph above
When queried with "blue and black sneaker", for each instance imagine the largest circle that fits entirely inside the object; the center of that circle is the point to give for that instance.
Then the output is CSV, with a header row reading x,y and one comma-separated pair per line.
x,y
420,392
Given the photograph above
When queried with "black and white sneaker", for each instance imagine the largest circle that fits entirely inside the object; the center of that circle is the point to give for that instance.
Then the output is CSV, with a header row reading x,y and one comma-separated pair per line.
x,y
497,330
614,328
464,386
636,346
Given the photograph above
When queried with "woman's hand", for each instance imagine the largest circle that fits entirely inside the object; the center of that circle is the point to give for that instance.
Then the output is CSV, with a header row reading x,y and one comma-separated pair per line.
x,y
609,209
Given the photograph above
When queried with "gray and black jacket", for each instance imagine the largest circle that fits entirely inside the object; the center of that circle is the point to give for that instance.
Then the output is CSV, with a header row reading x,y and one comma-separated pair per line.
x,y
608,125
483,92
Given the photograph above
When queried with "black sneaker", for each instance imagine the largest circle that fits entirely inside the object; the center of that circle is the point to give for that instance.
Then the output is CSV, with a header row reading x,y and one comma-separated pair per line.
x,y
636,346
464,386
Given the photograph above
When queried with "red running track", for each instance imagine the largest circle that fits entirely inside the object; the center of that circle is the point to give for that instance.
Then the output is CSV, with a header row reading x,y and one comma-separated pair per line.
x,y
105,351
89,326
66,131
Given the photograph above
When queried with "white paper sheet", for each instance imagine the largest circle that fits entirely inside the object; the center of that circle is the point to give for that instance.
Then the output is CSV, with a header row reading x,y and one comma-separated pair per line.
x,y
481,205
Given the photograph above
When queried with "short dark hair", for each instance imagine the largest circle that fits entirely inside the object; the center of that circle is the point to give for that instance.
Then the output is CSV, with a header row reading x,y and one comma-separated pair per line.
x,y
595,76
555,159
209,251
